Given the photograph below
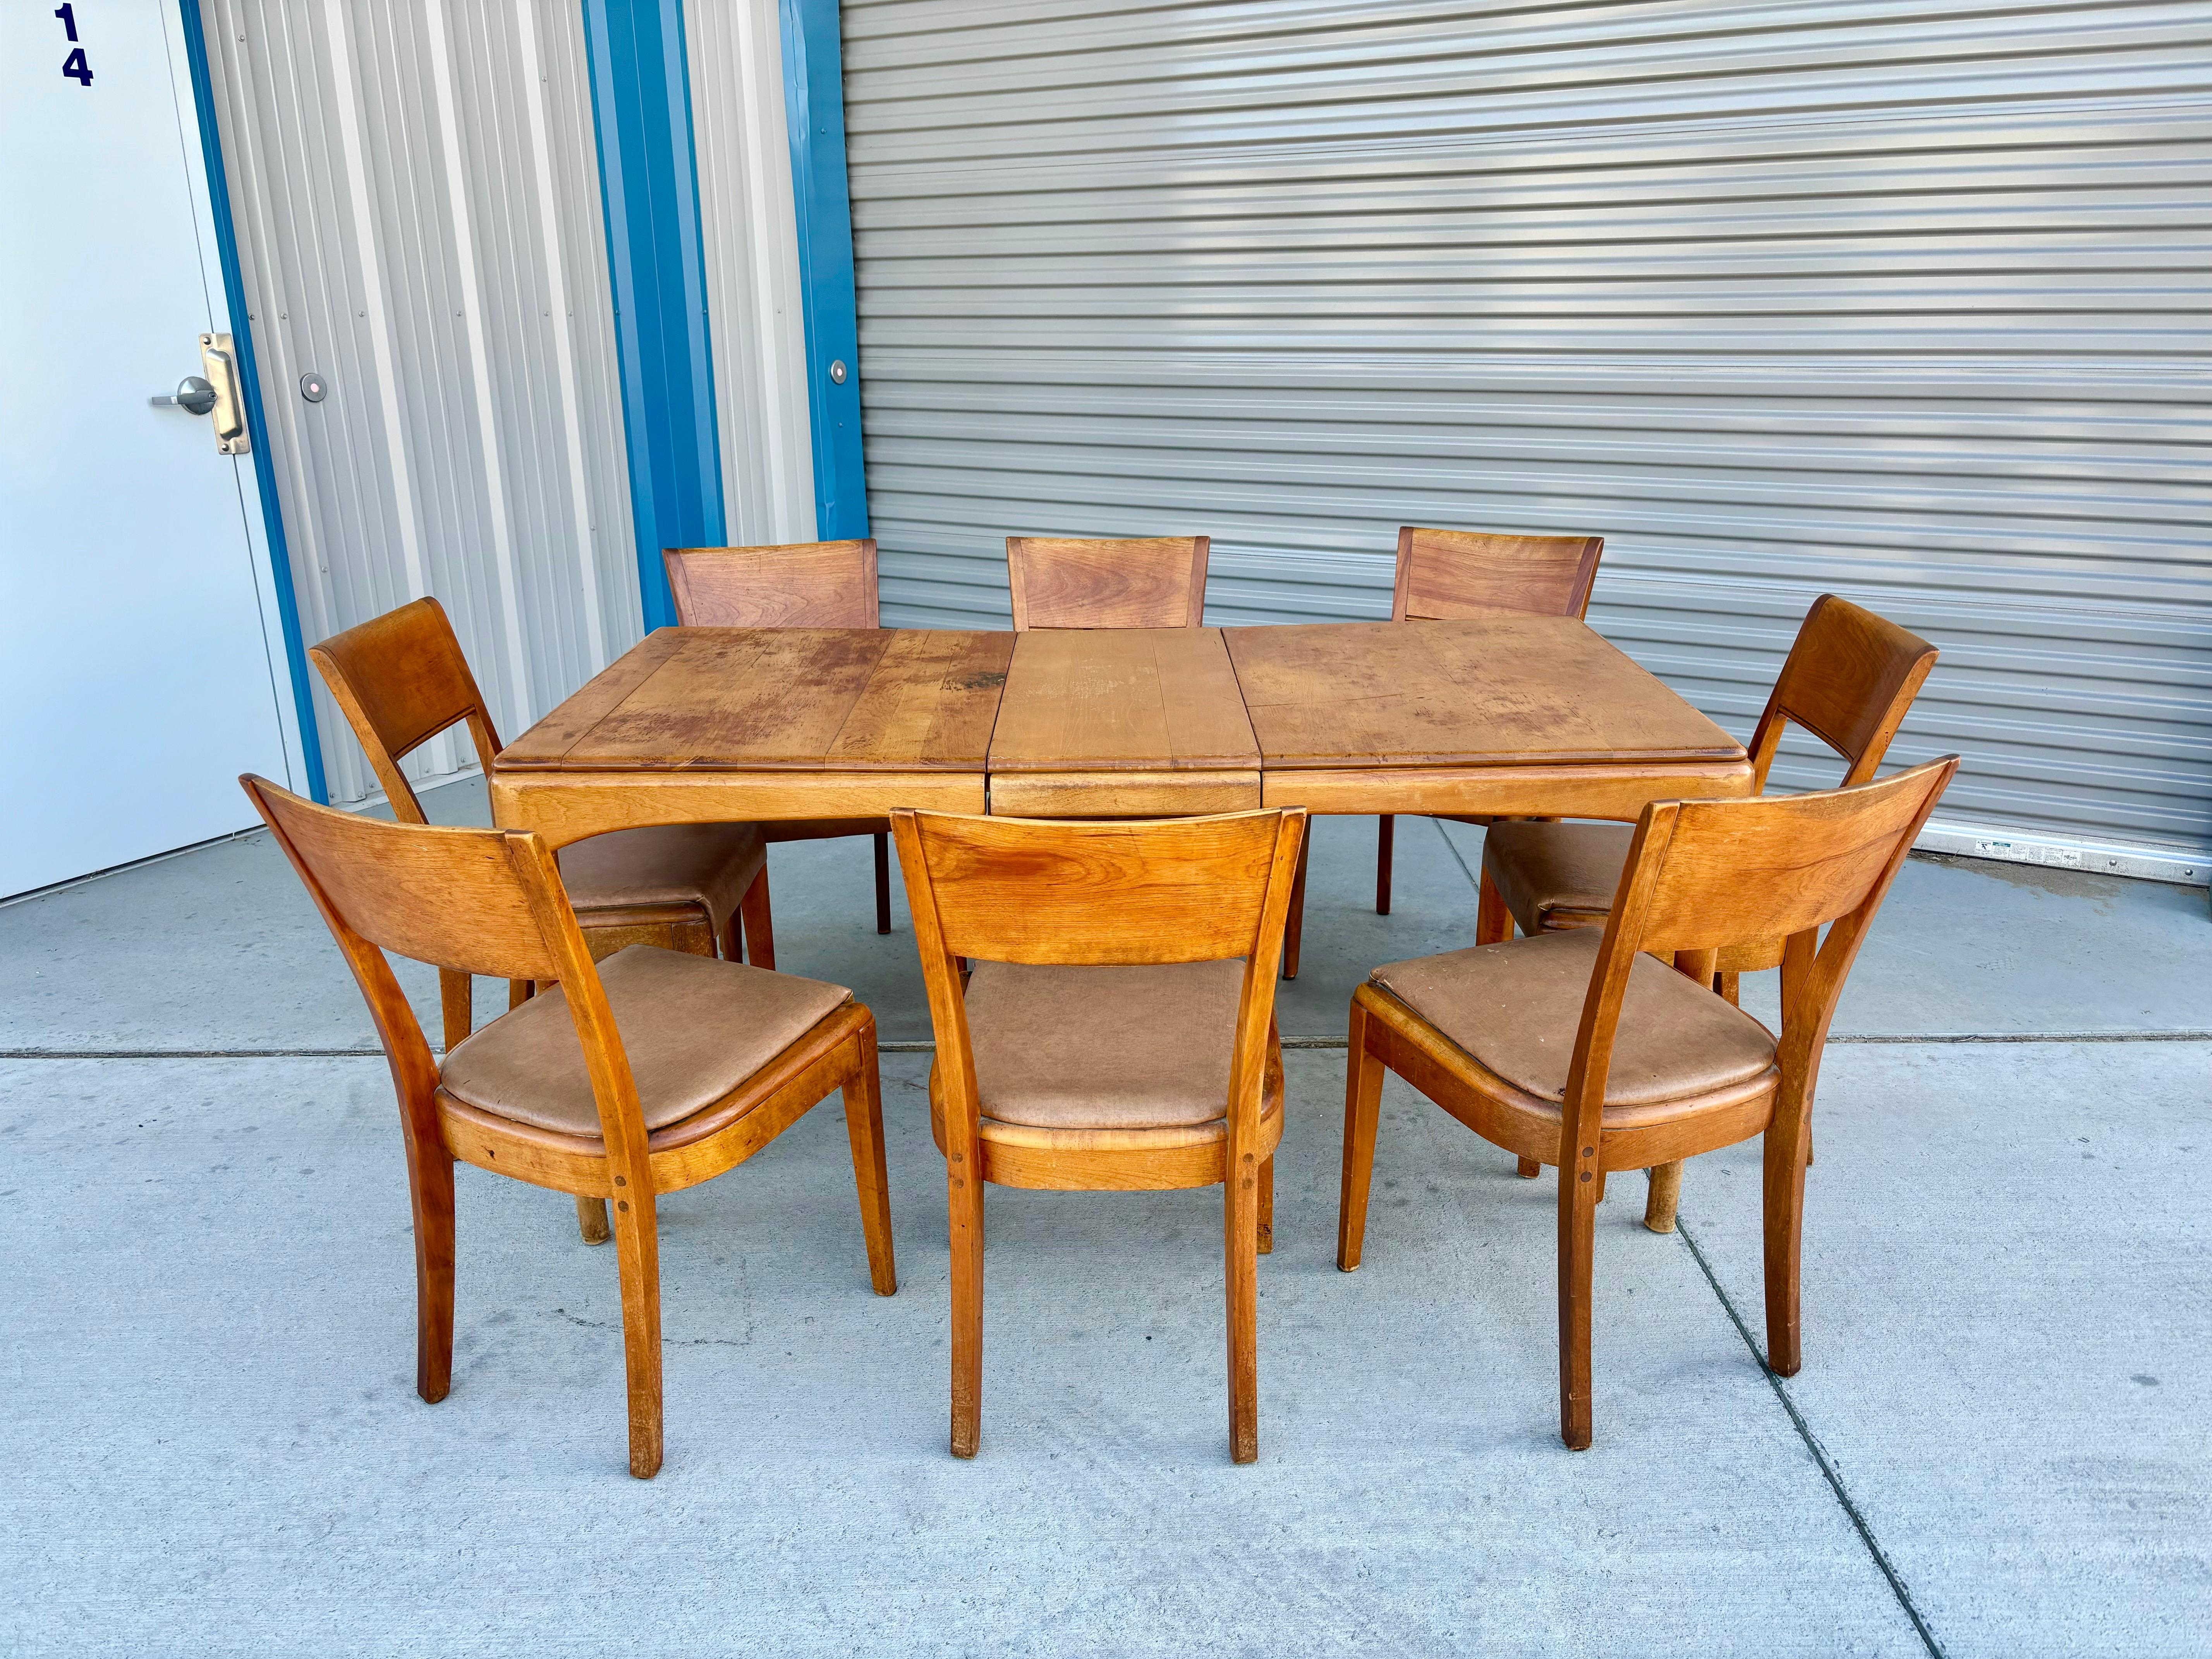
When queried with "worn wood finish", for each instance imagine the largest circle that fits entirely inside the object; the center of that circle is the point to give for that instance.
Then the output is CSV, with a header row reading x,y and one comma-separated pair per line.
x,y
1696,871
1151,582
1508,691
916,729
1453,573
1185,890
800,584
796,585
368,880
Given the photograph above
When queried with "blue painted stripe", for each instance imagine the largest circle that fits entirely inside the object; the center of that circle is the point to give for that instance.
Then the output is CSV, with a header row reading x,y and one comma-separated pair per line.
x,y
256,429
649,190
814,110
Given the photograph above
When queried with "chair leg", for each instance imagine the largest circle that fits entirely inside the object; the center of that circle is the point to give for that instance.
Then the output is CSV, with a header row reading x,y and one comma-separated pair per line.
x,y
1664,1197
637,1250
1493,922
759,923
430,1181
1784,1204
1727,985
733,937
1267,1207
863,1126
519,991
883,882
964,1203
1294,929
1386,837
1240,1207
1578,1250
1362,1105
1529,1168
592,1220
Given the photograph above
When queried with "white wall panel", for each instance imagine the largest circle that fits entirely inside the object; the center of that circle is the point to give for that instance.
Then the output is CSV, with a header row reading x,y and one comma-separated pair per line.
x,y
1902,299
415,190
751,249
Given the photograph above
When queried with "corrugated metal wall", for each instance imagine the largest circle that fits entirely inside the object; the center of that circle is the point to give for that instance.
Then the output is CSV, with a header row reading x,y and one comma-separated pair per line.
x,y
1903,300
416,191
751,249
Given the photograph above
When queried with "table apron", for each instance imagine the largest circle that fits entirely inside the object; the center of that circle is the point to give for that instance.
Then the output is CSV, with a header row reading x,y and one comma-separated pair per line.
x,y
569,806
1616,790
1122,794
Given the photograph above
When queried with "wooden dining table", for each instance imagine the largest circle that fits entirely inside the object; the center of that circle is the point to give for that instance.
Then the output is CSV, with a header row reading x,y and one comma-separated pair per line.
x,y
1506,715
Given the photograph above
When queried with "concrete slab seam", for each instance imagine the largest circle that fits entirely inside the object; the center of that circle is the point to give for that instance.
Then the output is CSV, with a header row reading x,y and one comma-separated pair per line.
x,y
1819,1456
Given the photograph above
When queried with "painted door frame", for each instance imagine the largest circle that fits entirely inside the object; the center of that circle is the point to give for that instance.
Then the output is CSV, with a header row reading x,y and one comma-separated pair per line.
x,y
265,517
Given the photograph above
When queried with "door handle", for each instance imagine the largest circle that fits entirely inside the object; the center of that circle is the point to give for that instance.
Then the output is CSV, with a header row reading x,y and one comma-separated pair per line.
x,y
220,358
193,395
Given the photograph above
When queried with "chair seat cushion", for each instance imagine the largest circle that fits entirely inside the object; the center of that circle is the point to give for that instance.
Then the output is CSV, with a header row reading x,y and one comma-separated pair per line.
x,y
1104,1047
694,1028
1556,874
670,864
1515,1008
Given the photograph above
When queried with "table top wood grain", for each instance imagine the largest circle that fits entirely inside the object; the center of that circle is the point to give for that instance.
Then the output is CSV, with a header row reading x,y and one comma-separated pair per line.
x,y
744,699
1513,715
1121,700
1489,691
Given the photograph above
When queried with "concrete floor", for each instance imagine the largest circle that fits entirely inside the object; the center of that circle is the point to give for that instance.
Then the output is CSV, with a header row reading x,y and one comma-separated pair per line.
x,y
215,1447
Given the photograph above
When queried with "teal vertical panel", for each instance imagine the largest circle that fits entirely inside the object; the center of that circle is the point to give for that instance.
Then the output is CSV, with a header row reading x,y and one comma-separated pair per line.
x,y
256,429
814,110
649,186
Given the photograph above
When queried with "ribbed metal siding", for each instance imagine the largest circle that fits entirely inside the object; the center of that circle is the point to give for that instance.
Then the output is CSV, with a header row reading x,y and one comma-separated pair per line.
x,y
1907,300
751,250
416,194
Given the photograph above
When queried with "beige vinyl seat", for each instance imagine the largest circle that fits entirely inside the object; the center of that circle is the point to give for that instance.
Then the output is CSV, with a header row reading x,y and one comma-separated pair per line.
x,y
1083,1047
1514,1009
695,1028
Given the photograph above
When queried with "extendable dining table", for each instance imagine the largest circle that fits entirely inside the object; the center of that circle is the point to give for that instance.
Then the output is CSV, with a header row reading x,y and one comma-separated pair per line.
x,y
1507,715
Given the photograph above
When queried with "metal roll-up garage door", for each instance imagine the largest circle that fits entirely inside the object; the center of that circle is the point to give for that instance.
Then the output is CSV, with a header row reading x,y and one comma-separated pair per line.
x,y
1902,300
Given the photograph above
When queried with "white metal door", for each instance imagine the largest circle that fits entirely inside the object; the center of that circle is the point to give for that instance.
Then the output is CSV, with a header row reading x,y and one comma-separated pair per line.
x,y
134,672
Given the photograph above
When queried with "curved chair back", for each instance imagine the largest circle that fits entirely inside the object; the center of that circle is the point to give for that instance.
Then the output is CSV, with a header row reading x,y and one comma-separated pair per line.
x,y
1850,678
1156,581
1119,893
1705,875
1446,573
797,585
470,900
400,679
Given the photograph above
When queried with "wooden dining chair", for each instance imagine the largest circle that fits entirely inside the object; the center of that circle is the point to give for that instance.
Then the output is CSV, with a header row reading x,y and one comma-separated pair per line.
x,y
799,584
1579,1050
651,1071
1849,678
401,678
1444,574
1116,1032
1149,581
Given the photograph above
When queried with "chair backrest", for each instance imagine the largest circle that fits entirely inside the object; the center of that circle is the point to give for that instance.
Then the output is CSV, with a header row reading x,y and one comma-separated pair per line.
x,y
1849,678
473,901
1705,875
1153,582
1444,573
1122,892
400,679
797,585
